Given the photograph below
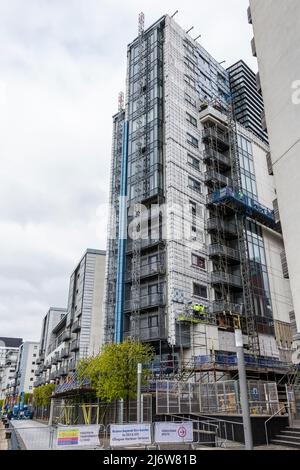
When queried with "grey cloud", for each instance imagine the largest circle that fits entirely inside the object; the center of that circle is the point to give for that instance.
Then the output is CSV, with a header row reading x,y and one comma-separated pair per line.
x,y
62,64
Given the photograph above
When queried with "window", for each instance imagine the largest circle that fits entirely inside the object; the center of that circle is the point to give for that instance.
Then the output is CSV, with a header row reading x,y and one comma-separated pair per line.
x,y
192,140
191,119
198,261
32,371
193,161
34,355
31,379
33,363
153,321
199,290
195,185
193,208
190,100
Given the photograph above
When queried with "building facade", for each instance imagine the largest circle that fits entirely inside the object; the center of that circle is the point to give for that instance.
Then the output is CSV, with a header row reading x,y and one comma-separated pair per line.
x,y
76,332
247,100
279,51
26,367
9,348
193,242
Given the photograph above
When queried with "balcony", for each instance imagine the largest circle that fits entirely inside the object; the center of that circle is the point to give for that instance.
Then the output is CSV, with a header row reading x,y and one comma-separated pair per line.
x,y
76,326
66,335
210,156
147,301
72,365
249,14
219,278
285,269
52,376
216,136
65,353
228,228
63,371
56,374
263,121
253,47
229,253
146,243
74,345
148,270
258,83
269,163
213,178
55,359
222,306
48,365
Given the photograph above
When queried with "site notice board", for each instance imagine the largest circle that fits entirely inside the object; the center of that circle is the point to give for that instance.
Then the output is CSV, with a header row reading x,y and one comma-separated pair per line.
x,y
78,436
173,433
122,435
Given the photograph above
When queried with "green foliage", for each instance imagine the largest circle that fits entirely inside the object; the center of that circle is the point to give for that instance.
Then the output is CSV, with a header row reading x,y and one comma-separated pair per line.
x,y
113,374
28,397
2,402
42,395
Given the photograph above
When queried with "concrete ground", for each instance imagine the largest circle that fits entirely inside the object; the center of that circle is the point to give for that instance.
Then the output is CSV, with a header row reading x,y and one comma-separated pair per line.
x,y
3,440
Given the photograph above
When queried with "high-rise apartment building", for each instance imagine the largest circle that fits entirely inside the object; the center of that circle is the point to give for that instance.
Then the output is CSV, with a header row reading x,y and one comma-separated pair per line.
x,y
71,334
9,349
26,366
247,101
191,189
277,50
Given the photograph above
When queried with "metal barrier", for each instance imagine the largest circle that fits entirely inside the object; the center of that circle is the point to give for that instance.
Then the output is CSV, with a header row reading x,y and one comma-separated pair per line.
x,y
175,397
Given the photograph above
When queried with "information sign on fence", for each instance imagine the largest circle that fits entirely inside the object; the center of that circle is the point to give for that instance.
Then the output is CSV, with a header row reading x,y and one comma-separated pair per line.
x,y
122,435
78,436
173,433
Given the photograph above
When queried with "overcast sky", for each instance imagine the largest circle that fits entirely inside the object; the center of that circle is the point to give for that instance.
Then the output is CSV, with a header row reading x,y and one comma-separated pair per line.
x,y
62,64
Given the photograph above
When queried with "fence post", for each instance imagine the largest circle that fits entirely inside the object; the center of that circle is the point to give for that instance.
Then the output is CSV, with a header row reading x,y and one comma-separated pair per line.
x,y
243,390
50,422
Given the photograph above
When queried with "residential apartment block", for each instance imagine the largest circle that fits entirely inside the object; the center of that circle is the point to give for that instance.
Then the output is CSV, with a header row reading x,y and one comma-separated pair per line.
x,y
9,349
76,332
191,187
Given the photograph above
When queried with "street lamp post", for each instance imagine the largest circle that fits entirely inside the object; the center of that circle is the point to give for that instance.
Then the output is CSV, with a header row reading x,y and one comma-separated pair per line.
x,y
243,390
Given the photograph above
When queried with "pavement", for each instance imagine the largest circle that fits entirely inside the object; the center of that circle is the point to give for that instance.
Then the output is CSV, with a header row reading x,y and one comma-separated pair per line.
x,y
34,435
37,436
3,440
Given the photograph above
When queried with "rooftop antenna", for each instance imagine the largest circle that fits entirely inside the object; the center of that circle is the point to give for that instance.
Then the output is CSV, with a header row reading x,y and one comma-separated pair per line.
x,y
121,101
189,30
172,16
197,37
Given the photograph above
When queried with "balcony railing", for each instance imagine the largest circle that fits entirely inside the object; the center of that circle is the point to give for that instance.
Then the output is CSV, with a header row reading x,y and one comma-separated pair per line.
x,y
74,345
149,270
253,47
222,250
213,177
66,335
147,301
228,228
249,15
65,353
222,306
220,277
145,243
217,135
210,155
76,326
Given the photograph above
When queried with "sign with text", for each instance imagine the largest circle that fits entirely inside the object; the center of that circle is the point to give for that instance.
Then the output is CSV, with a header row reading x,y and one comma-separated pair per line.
x,y
173,433
122,435
78,436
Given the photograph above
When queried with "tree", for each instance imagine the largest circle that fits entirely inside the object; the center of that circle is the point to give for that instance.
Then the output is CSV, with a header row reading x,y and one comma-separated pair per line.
x,y
113,374
42,394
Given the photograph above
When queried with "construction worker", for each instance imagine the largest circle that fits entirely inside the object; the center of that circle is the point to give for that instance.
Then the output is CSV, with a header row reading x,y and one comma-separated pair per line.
x,y
199,311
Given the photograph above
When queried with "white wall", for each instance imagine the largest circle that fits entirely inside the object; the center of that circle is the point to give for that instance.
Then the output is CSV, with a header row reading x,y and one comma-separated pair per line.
x,y
277,38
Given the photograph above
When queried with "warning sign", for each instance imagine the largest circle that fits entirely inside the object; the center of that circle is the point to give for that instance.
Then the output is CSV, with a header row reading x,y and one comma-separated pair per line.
x,y
173,433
